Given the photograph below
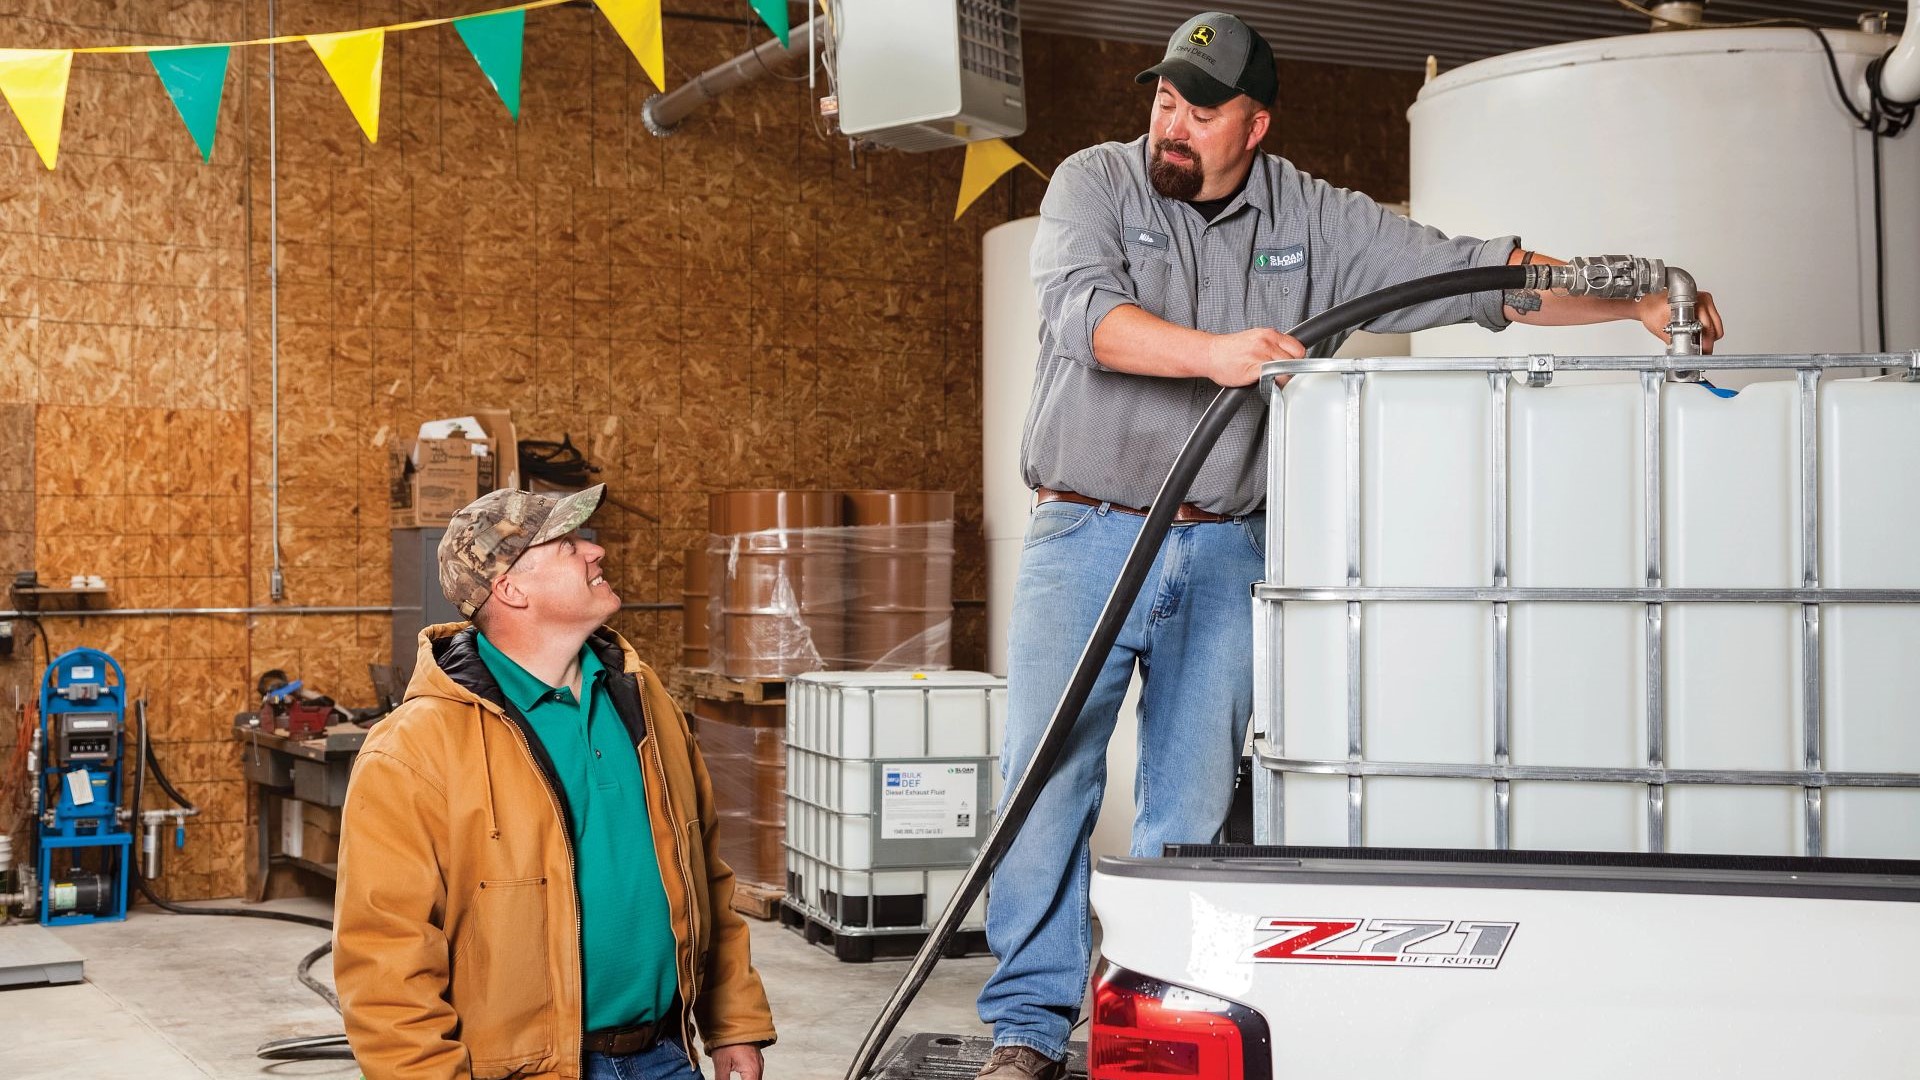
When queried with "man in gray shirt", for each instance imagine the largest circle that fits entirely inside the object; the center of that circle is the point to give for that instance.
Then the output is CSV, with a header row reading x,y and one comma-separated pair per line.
x,y
1163,266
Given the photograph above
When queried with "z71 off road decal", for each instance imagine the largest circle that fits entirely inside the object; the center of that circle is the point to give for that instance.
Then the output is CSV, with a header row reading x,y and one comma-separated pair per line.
x,y
1464,943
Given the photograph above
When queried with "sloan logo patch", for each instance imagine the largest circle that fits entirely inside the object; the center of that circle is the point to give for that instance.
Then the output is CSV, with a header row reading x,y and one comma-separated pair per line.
x,y
1147,238
1364,942
1279,260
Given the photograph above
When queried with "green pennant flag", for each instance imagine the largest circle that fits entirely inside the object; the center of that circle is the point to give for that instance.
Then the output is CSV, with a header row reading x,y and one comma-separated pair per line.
x,y
494,40
195,78
774,14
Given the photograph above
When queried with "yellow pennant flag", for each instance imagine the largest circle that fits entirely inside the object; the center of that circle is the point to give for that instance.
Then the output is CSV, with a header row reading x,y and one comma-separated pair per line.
x,y
987,161
35,84
353,59
638,22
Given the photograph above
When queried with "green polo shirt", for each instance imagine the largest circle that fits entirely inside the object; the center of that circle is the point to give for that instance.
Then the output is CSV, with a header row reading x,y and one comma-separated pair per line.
x,y
626,929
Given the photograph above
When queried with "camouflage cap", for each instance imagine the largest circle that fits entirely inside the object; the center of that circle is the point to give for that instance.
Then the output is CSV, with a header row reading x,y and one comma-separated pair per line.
x,y
488,534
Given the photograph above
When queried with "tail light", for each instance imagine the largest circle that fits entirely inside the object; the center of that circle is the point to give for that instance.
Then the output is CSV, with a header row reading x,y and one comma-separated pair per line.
x,y
1144,1027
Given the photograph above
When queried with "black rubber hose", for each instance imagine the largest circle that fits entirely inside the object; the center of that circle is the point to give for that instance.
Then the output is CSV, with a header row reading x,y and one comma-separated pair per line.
x,y
1133,574
307,1048
139,766
153,762
304,974
229,912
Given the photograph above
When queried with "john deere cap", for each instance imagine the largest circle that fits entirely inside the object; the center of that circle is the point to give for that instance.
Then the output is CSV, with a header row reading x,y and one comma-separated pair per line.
x,y
1214,56
488,534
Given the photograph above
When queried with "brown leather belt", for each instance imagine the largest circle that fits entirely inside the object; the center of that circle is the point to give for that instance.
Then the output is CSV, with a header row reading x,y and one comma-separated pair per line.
x,y
1187,512
633,1039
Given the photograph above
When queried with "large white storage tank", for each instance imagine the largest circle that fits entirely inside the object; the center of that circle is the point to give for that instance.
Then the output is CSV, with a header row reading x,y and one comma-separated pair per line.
x,y
1010,339
1727,152
1761,710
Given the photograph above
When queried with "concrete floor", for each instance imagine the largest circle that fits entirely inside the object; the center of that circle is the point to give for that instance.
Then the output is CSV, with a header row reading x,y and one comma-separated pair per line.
x,y
171,997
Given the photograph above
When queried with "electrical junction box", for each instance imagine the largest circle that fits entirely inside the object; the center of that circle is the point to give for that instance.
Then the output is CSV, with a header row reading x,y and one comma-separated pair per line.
x,y
929,74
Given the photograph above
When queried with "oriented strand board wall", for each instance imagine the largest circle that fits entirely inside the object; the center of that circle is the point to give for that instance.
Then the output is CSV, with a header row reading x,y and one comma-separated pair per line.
x,y
735,306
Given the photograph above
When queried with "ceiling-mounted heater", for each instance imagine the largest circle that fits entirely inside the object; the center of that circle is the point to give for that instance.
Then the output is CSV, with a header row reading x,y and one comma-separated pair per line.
x,y
929,74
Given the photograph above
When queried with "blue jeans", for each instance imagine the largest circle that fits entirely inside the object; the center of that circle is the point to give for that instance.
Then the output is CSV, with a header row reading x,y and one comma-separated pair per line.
x,y
1191,633
666,1061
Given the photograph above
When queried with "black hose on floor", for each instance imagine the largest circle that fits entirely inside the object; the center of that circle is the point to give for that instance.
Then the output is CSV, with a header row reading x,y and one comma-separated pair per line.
x,y
228,912
282,1049
1133,574
312,1047
304,974
306,1048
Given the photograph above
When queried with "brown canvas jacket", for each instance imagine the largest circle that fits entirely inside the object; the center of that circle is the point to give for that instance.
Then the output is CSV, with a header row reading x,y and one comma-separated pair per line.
x,y
456,927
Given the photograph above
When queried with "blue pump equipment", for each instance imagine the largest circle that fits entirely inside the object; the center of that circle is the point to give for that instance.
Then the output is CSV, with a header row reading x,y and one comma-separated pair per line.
x,y
83,723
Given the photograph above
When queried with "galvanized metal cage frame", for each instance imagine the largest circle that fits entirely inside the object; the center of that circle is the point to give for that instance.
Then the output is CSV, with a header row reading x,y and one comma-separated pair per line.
x,y
803,759
1654,372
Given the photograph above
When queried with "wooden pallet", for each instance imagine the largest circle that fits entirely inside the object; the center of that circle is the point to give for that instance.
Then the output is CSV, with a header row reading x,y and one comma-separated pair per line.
x,y
757,901
862,947
709,684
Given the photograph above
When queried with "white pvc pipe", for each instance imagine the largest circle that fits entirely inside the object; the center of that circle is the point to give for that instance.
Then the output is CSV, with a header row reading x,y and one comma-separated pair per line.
x,y
1900,75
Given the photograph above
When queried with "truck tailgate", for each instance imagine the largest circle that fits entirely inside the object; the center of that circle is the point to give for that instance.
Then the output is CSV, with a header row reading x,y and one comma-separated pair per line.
x,y
1367,962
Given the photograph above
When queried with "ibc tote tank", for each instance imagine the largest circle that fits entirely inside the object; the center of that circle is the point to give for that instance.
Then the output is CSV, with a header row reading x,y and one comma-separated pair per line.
x,y
1727,152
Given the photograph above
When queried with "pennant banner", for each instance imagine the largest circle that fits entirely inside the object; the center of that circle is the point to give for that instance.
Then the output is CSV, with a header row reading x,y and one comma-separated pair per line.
x,y
195,79
987,161
774,14
353,59
496,42
34,82
638,22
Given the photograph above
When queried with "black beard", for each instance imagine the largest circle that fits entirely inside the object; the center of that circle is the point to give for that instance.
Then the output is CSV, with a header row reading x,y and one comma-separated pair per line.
x,y
1176,181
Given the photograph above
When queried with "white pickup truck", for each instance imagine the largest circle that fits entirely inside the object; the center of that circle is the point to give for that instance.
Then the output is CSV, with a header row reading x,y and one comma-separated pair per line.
x,y
1275,962
1262,963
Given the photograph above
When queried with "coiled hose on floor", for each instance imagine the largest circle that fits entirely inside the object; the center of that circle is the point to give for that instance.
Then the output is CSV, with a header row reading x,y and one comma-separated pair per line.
x,y
1133,574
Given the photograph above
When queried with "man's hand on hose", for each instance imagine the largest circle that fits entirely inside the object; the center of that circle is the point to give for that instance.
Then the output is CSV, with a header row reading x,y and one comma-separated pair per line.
x,y
1236,359
1653,312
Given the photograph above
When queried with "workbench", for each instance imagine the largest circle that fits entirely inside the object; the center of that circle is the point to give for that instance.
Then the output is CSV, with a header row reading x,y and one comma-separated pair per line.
x,y
312,770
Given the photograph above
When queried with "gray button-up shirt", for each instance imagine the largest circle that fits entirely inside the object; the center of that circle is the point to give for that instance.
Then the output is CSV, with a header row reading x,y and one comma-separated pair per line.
x,y
1289,246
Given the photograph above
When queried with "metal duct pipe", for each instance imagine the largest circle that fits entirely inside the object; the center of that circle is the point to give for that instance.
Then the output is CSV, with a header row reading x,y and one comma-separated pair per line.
x,y
662,113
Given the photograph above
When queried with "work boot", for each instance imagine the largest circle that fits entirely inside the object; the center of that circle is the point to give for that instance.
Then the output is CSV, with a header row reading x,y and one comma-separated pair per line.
x,y
1021,1063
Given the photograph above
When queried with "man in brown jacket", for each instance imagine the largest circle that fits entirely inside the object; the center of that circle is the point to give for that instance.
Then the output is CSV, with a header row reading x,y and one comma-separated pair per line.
x,y
528,879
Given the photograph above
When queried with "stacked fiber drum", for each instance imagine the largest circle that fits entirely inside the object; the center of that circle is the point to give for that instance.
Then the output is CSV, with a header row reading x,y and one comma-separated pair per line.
x,y
797,581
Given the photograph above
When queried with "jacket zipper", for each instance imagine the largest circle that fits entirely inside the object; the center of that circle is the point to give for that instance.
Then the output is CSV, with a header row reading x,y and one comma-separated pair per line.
x,y
686,878
573,882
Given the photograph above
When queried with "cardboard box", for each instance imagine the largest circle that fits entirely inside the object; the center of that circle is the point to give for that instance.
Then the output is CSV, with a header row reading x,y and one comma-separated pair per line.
x,y
320,847
324,818
319,834
431,479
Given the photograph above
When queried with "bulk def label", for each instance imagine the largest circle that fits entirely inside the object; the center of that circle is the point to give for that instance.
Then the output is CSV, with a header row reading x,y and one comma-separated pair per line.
x,y
926,801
